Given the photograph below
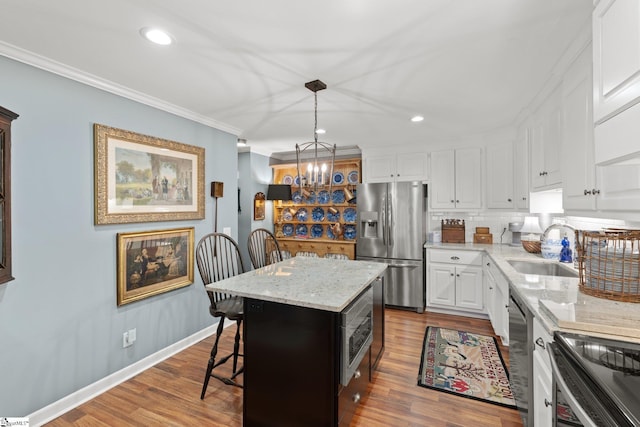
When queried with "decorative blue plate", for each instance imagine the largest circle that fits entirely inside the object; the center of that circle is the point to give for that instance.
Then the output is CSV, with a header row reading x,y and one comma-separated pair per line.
x,y
349,215
316,231
330,234
301,230
287,179
352,177
338,196
302,214
333,217
296,197
338,178
317,214
312,198
296,180
323,197
350,232
287,215
287,229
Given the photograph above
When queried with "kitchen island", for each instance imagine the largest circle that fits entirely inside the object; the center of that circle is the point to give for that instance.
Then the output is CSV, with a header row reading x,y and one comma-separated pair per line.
x,y
293,344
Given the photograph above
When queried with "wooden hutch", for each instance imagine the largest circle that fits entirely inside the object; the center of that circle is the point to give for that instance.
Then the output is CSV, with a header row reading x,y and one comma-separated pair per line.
x,y
304,224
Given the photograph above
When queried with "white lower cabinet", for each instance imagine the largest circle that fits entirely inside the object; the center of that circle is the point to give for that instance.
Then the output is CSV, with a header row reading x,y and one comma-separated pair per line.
x,y
542,377
455,280
497,300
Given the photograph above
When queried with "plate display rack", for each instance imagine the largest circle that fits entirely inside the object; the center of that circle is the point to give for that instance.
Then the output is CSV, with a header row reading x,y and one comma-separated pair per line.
x,y
304,224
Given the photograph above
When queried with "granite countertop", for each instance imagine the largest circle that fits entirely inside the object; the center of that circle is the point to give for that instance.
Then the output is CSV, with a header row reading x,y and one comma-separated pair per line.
x,y
557,301
321,283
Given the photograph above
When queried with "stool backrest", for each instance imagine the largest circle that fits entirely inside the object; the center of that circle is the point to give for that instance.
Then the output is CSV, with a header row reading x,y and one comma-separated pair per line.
x,y
218,258
263,248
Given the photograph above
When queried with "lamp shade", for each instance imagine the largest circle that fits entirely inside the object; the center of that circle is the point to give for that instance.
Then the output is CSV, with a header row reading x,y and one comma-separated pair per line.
x,y
279,192
531,226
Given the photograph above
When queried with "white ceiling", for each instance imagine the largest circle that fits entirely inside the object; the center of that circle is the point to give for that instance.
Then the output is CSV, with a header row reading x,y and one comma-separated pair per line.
x,y
468,66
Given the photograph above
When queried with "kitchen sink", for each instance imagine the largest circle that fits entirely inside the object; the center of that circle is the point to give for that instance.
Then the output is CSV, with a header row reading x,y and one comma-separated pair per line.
x,y
542,268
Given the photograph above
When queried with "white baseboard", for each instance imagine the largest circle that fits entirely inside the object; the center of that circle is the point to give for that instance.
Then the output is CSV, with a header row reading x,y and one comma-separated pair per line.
x,y
67,403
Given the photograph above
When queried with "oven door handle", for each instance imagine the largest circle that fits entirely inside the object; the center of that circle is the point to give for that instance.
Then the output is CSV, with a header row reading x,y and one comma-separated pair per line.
x,y
566,392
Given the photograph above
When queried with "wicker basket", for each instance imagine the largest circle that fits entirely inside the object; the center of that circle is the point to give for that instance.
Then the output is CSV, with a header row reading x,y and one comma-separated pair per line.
x,y
532,246
609,264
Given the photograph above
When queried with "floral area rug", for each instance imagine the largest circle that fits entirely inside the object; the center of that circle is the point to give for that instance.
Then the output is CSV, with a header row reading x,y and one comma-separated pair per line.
x,y
465,364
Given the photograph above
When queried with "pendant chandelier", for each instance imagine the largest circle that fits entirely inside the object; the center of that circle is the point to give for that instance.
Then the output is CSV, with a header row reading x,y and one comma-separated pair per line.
x,y
315,160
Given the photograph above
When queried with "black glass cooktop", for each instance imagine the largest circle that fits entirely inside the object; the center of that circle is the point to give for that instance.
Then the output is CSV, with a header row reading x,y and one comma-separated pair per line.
x,y
614,366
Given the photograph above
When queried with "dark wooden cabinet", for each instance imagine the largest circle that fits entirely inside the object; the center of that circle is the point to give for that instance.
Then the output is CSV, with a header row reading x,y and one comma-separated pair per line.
x,y
377,346
292,367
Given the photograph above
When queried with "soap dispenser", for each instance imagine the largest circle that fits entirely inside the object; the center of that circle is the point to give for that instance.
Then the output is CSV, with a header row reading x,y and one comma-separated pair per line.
x,y
565,252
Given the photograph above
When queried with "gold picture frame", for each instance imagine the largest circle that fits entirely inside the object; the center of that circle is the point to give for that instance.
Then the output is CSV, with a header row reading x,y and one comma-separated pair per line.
x,y
140,178
153,262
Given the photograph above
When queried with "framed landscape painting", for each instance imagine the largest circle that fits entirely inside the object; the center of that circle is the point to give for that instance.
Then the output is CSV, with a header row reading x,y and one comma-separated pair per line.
x,y
153,262
140,178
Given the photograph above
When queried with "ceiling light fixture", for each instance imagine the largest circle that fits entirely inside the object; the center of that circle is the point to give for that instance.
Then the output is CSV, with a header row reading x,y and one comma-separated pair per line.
x,y
416,119
157,36
316,154
242,142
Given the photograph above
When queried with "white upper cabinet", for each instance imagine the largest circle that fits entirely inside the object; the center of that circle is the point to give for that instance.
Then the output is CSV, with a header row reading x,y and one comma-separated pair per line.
x,y
500,181
546,137
456,179
578,180
521,172
379,166
616,60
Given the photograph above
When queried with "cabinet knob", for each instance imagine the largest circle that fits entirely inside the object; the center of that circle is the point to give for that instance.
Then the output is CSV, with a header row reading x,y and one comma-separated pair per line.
x,y
540,342
547,403
524,198
457,275
453,201
357,374
587,192
457,201
391,175
451,274
539,173
356,398
508,200
490,288
488,264
455,258
594,191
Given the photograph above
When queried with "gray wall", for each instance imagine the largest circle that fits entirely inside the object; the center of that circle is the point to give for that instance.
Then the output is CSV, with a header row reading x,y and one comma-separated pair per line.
x,y
254,176
60,327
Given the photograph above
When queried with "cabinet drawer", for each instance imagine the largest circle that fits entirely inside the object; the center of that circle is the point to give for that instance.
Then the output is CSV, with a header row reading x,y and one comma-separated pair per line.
x,y
350,396
455,256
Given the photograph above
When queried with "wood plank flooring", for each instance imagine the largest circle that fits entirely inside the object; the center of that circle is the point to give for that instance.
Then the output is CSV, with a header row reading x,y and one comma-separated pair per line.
x,y
168,394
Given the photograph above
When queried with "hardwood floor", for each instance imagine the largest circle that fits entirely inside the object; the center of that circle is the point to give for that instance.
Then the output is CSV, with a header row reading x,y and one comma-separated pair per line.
x,y
168,394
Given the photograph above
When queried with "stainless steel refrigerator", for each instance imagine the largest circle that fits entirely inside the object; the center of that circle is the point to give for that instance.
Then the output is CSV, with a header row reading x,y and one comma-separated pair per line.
x,y
391,226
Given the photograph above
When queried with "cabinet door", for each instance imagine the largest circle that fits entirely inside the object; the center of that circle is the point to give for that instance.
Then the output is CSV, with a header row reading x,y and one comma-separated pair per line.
x,y
500,180
502,310
578,179
412,166
490,298
468,178
379,168
469,289
442,186
442,285
545,144
522,171
542,396
616,56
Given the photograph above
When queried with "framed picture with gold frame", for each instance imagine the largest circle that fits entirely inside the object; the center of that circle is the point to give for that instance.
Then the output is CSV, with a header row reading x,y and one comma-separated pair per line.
x,y
258,206
140,178
153,262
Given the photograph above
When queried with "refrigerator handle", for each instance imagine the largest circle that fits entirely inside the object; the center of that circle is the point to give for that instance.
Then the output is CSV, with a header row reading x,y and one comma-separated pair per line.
x,y
383,210
389,222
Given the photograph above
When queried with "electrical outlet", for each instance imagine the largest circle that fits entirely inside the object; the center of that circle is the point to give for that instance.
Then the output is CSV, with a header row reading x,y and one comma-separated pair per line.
x,y
227,231
125,340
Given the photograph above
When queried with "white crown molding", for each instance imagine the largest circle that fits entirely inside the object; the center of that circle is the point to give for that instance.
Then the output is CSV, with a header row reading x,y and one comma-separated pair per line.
x,y
38,61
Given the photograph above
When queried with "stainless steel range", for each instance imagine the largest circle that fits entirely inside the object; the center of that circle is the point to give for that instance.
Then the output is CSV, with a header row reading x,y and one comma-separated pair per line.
x,y
596,381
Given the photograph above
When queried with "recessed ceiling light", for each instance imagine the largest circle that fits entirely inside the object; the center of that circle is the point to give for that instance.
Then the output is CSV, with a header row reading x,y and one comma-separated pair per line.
x,y
156,35
321,131
417,119
242,143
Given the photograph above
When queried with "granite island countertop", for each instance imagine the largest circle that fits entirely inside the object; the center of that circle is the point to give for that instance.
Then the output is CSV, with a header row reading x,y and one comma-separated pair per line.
x,y
557,301
320,283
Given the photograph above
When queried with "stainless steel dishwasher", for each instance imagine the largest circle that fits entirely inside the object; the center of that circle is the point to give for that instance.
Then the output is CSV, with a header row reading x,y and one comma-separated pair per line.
x,y
521,356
